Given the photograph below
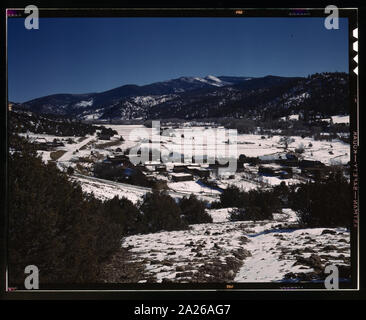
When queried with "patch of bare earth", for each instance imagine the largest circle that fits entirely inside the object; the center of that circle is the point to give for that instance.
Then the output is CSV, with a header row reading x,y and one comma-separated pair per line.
x,y
120,268
55,155
108,144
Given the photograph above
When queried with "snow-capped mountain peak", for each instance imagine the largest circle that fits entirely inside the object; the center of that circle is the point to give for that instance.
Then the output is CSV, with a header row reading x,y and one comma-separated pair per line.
x,y
208,80
213,78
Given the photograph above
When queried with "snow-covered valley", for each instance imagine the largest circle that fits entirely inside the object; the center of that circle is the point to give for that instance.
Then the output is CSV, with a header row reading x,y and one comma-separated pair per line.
x,y
224,251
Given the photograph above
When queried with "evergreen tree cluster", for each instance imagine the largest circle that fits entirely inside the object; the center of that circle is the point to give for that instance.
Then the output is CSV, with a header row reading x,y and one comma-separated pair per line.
x,y
52,224
106,132
324,203
328,94
23,122
193,210
68,234
156,212
118,173
252,205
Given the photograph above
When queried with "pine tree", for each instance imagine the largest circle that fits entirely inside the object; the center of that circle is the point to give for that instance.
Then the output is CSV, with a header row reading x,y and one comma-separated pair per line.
x,y
52,224
161,212
194,210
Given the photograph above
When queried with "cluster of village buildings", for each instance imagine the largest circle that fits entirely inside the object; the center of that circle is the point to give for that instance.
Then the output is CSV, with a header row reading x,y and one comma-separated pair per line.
x,y
283,165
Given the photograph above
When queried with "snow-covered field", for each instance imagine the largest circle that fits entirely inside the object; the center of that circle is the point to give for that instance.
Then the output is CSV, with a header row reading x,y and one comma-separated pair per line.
x,y
313,149
251,145
238,181
340,119
274,253
108,189
133,134
105,189
244,251
192,187
70,149
220,215
201,141
335,119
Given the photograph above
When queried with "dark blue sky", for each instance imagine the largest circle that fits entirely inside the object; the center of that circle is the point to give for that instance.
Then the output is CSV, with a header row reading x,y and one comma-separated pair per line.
x,y
80,55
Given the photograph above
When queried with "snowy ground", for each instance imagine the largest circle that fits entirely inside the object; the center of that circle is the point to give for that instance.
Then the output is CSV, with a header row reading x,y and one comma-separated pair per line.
x,y
132,134
251,145
192,187
241,180
274,254
220,215
313,149
340,119
71,149
263,251
205,142
105,189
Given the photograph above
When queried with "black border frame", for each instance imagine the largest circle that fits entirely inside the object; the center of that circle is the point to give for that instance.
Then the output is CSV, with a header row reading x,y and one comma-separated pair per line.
x,y
218,289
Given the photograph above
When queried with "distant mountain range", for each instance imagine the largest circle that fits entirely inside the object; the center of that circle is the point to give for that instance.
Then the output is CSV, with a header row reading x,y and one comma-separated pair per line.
x,y
208,97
